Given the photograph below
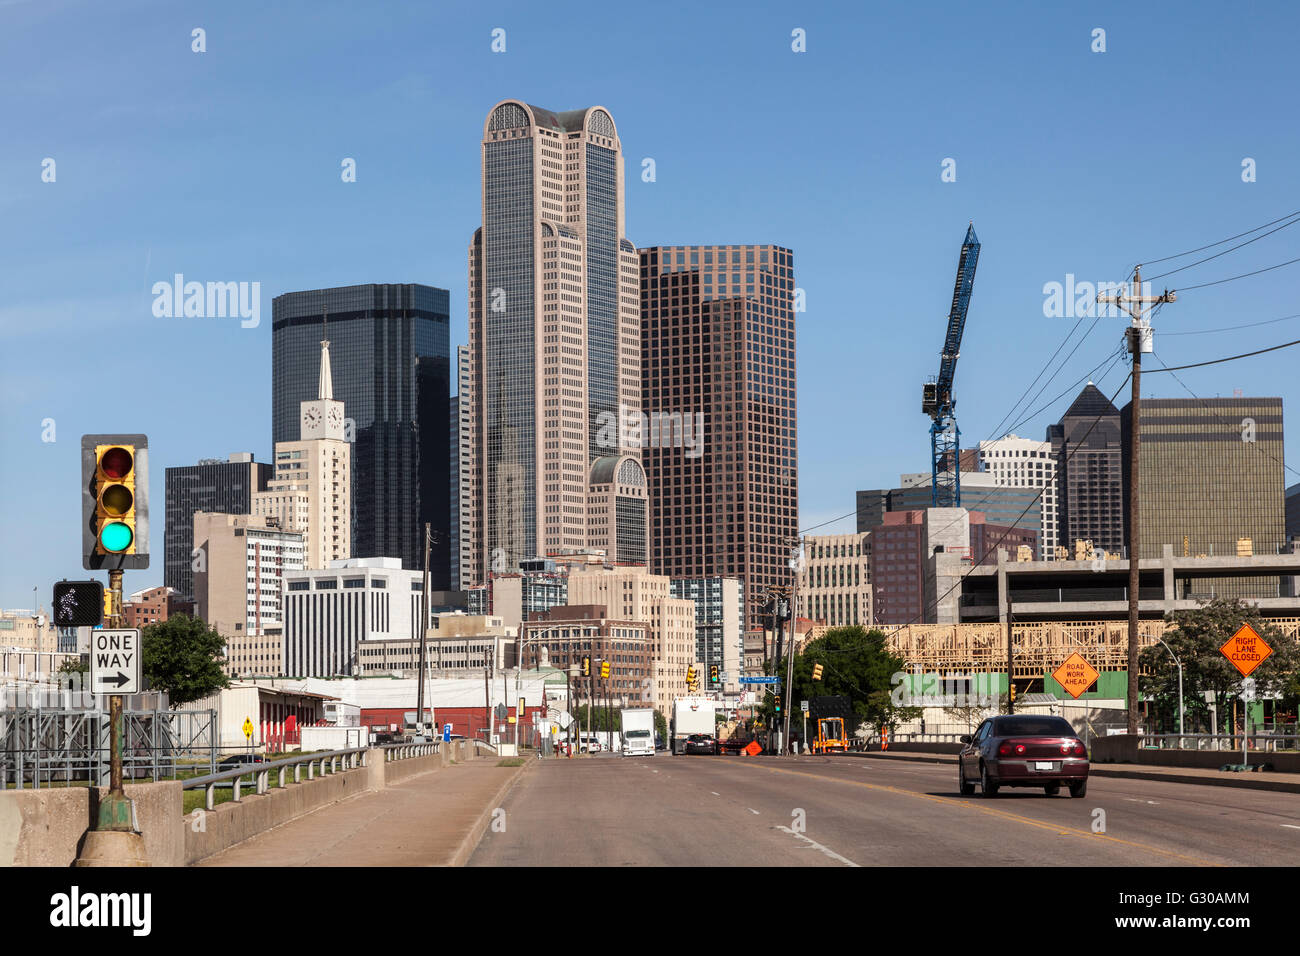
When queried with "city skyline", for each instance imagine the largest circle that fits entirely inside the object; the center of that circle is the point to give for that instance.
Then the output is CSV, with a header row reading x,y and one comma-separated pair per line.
x,y
254,222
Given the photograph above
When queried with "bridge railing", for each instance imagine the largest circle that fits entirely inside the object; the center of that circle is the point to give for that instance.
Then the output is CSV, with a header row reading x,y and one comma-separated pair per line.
x,y
1259,742
326,762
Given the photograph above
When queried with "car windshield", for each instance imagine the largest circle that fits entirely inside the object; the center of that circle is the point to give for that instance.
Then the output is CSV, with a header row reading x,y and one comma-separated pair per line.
x,y
1032,727
638,733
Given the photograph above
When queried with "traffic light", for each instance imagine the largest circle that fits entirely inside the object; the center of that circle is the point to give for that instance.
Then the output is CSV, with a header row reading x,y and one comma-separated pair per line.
x,y
78,604
586,667
604,670
817,672
1013,693
778,703
713,673
114,502
690,674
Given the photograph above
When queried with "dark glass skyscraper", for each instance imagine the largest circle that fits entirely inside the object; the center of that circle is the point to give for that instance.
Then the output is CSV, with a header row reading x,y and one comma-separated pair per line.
x,y
1089,473
390,352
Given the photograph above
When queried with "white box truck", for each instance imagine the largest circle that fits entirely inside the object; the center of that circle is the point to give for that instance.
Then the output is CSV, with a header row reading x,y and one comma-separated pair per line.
x,y
693,715
638,732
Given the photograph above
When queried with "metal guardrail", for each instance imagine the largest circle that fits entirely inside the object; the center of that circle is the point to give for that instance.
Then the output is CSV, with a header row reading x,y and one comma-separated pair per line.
x,y
1260,742
331,761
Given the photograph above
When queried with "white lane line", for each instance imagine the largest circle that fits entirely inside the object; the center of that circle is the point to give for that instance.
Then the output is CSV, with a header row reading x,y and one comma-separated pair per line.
x,y
817,846
1291,826
715,793
755,813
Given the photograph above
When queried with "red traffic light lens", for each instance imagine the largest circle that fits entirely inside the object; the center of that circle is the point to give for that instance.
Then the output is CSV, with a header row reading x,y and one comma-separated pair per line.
x,y
116,462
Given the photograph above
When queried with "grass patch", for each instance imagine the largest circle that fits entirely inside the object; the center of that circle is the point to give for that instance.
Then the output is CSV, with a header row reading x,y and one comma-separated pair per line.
x,y
510,762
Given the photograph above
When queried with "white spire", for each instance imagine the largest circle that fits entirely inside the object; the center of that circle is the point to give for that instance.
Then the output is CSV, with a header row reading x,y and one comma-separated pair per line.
x,y
326,390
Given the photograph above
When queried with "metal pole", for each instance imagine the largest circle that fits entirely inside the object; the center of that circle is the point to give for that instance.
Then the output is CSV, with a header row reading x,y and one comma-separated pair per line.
x,y
1011,673
1135,447
115,700
424,633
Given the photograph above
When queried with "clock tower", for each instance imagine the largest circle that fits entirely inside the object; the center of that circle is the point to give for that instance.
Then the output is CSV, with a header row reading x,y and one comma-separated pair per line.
x,y
322,417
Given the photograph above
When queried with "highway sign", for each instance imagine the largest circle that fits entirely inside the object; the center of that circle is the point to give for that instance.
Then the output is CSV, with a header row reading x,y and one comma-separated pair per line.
x,y
1246,650
248,728
115,661
1076,675
760,680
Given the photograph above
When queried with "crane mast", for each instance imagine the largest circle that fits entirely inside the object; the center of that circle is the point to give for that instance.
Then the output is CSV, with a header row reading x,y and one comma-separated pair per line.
x,y
937,399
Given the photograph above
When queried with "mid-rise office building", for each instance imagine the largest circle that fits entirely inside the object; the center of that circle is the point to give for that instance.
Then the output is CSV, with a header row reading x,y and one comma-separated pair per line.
x,y
1087,445
554,333
213,485
392,367
241,564
1293,512
457,645
634,594
30,630
331,613
719,627
1001,505
835,583
312,488
1211,481
563,636
1016,462
153,605
718,384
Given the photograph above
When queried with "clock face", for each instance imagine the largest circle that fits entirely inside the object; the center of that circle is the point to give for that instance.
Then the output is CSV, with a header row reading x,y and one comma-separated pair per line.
x,y
311,417
335,416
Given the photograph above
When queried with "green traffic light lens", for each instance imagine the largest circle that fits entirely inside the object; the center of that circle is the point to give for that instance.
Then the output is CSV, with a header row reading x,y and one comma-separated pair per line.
x,y
115,537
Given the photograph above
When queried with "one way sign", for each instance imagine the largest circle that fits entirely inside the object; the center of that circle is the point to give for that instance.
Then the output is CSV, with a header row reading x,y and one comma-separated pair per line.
x,y
115,661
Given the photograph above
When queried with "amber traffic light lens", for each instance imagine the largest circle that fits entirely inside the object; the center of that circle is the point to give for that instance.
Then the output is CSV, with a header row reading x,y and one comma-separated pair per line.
x,y
116,463
117,499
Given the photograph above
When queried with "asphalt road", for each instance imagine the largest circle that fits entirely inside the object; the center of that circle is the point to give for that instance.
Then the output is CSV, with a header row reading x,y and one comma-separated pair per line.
x,y
845,811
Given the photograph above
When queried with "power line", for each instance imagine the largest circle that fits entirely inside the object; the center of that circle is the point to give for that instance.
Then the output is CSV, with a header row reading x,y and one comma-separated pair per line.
x,y
1225,251
997,428
1230,358
1151,262
1234,328
1244,275
1112,359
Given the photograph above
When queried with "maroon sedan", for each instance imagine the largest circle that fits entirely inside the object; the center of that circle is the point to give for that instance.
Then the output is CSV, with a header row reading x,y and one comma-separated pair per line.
x,y
1023,751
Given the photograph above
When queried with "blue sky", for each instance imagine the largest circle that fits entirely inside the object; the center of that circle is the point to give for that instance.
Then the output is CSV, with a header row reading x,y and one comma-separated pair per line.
x,y
225,166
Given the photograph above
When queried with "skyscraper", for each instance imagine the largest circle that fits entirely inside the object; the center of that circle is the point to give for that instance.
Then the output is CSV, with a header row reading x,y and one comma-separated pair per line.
x,y
1018,462
1089,473
462,488
312,488
554,334
392,372
718,383
211,485
1210,481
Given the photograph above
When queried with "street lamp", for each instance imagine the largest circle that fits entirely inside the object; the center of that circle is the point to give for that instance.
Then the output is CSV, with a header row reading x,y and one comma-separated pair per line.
x,y
1180,688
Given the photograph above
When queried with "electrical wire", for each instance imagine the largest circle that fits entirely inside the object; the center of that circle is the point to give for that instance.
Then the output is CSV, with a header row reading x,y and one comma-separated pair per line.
x,y
1225,251
1244,275
1234,328
1152,262
1230,358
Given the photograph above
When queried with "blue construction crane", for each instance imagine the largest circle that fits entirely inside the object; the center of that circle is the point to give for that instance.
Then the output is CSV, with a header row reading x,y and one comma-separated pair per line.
x,y
937,399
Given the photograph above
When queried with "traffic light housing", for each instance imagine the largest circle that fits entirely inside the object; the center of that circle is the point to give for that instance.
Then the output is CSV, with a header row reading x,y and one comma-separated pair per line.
x,y
817,672
78,604
604,670
778,703
690,674
1013,692
586,667
713,674
114,502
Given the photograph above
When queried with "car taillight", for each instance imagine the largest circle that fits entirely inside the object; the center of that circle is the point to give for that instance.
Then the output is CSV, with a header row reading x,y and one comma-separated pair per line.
x,y
1080,749
1009,748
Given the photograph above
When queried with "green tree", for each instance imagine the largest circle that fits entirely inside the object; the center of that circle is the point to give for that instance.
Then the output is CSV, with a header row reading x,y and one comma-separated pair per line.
x,y
857,664
74,665
183,657
1196,638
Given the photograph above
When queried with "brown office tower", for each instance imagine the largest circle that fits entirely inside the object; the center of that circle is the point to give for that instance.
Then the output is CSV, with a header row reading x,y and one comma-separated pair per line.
x,y
1210,481
718,431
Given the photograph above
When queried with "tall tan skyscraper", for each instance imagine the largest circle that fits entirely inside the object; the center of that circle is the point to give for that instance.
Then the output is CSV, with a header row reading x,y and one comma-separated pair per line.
x,y
312,489
554,330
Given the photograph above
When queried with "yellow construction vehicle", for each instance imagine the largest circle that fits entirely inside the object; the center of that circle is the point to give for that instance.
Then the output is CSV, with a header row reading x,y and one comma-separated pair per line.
x,y
830,736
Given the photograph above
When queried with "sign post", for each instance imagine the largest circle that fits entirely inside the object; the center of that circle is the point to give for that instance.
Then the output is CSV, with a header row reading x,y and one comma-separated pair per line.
x,y
1246,650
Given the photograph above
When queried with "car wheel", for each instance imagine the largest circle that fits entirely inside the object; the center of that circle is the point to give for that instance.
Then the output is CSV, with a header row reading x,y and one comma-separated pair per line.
x,y
1052,789
987,787
966,788
1079,789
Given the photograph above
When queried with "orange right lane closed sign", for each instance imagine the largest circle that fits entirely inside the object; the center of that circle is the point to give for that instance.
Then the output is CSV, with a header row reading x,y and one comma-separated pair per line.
x,y
1246,649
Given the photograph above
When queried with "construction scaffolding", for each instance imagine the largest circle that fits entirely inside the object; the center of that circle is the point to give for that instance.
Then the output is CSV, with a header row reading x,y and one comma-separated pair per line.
x,y
1037,649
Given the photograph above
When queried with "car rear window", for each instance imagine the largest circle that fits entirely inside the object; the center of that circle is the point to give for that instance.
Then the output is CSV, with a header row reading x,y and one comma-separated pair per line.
x,y
1032,727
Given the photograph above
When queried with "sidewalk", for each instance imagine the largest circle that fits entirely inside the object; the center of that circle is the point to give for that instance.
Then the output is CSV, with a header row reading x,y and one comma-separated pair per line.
x,y
434,819
1281,782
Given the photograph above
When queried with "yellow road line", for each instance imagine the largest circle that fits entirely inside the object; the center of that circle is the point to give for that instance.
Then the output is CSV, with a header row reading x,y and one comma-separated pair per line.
x,y
1005,814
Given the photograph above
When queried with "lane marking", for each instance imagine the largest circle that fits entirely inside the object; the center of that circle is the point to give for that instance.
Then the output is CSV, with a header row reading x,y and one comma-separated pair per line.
x,y
755,813
817,846
1291,826
715,793
1059,829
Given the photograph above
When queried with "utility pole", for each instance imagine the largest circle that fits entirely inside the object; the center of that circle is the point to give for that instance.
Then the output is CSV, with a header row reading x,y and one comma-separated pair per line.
x,y
487,704
1011,673
1140,339
424,632
795,552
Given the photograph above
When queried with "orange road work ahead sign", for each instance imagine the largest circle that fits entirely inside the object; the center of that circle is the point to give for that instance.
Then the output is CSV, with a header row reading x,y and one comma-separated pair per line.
x,y
1246,650
1076,675
753,749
